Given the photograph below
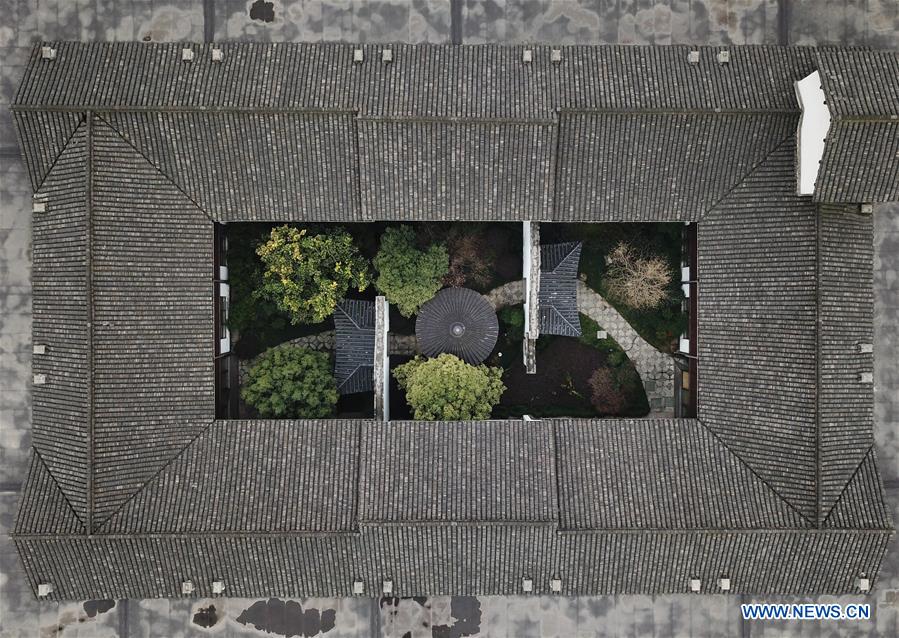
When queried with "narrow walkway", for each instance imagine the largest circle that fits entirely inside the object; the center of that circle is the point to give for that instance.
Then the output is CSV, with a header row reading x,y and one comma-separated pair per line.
x,y
397,343
656,368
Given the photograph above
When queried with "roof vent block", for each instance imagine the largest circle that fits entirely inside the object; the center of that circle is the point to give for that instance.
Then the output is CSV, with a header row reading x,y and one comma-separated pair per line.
x,y
866,348
724,583
693,57
723,57
866,377
387,587
48,53
39,348
358,56
40,379
555,585
555,56
387,56
527,585
38,204
187,588
867,209
695,585
527,56
218,587
864,584
217,55
187,55
358,588
44,590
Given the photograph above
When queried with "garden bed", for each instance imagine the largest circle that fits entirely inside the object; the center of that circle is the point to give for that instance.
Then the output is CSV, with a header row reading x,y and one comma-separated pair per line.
x,y
561,385
660,326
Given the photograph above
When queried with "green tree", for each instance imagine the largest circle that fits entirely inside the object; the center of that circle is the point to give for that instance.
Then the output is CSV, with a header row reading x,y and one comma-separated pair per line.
x,y
407,275
306,275
249,311
291,382
448,389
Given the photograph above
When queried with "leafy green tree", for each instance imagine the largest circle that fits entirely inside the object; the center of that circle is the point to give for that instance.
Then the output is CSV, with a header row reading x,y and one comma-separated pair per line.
x,y
291,382
249,311
306,275
448,389
407,275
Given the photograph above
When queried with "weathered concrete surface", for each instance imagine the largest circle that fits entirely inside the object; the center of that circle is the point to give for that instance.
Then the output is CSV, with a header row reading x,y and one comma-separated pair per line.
x,y
870,22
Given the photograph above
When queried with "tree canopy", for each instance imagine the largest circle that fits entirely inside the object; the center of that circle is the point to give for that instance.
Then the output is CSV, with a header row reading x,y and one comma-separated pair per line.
x,y
448,389
291,382
306,275
408,275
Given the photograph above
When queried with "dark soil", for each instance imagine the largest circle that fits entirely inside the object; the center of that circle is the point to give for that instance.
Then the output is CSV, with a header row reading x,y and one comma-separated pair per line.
x,y
560,386
360,405
399,409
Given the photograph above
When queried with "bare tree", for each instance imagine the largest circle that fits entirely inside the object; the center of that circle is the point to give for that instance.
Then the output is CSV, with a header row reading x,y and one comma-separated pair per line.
x,y
635,279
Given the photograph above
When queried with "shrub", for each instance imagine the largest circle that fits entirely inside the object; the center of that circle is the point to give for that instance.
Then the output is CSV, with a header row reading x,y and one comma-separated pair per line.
x,y
448,389
306,275
605,392
513,318
470,260
407,275
291,382
636,280
614,391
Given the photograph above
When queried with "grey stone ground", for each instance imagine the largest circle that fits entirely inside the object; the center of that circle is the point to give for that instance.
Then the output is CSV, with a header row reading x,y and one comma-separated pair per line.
x,y
22,22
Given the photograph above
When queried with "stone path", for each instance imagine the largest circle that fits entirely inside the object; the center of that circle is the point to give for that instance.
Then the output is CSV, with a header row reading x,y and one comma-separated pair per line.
x,y
508,294
655,368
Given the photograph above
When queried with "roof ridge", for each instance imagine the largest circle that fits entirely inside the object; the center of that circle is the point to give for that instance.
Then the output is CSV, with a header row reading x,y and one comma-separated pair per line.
x,y
59,489
564,320
754,473
62,150
751,172
155,167
155,476
845,489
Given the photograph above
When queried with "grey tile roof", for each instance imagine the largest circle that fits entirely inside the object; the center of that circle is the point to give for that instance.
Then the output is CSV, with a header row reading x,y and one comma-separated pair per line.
x,y
861,156
479,81
253,476
415,169
757,327
557,291
44,508
454,559
776,473
152,287
304,164
47,134
862,502
846,320
60,407
653,166
660,474
440,122
354,345
475,471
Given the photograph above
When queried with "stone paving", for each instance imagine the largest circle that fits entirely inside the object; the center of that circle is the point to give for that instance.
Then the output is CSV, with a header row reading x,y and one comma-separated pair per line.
x,y
656,369
857,22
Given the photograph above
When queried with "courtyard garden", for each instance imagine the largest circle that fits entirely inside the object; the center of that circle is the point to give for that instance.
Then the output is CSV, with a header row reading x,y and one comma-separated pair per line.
x,y
287,280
